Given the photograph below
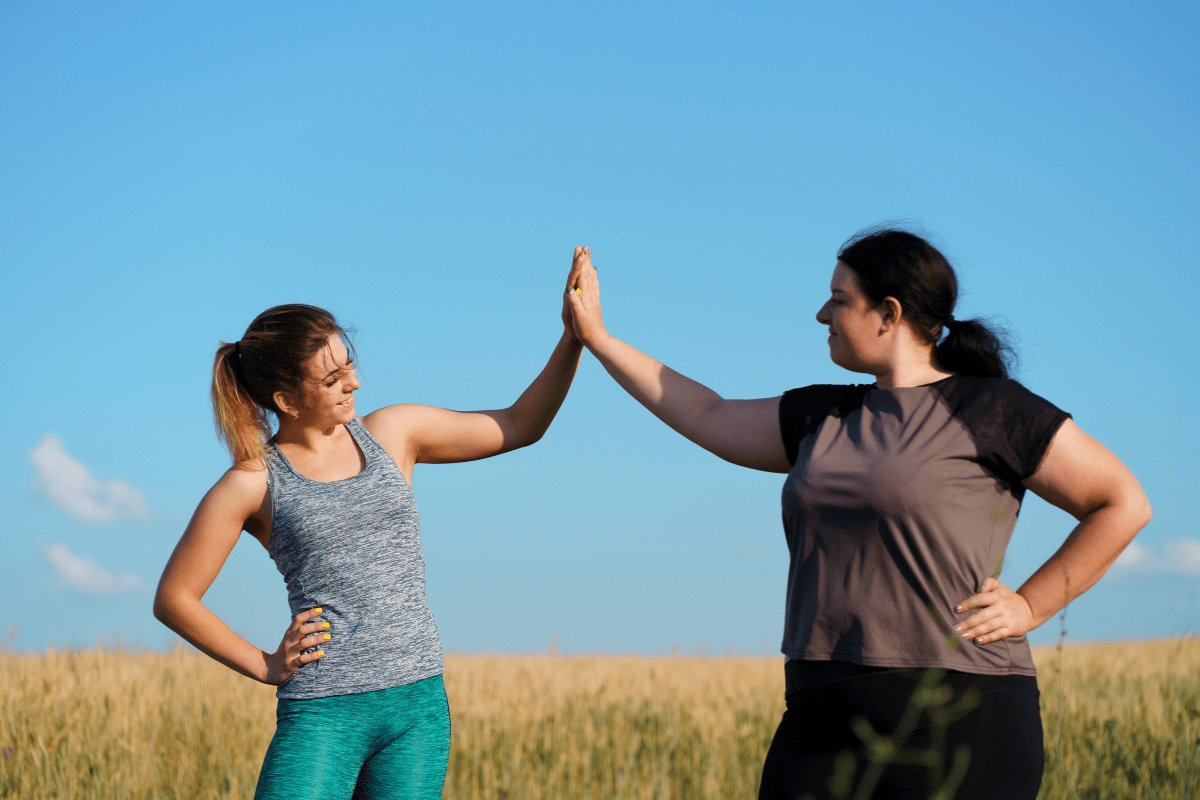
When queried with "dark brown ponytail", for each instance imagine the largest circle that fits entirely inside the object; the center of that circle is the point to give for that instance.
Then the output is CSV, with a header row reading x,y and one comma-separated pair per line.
x,y
899,264
269,358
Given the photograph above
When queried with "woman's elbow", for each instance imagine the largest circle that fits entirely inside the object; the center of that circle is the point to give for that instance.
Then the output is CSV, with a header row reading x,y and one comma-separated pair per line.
x,y
519,430
534,436
161,610
165,606
524,433
1143,512
1136,510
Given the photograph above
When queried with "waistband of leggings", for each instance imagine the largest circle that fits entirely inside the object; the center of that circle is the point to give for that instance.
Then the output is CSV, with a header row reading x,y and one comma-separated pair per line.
x,y
800,675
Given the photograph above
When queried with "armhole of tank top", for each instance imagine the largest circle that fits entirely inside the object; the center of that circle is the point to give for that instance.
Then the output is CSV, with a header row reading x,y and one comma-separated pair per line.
x,y
383,453
270,497
380,450
365,443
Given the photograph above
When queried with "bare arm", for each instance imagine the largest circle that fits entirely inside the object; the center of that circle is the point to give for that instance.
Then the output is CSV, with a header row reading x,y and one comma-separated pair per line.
x,y
743,432
210,536
1083,478
426,434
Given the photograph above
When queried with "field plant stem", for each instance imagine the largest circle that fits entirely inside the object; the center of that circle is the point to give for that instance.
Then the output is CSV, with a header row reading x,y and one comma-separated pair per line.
x,y
1062,694
1190,762
930,697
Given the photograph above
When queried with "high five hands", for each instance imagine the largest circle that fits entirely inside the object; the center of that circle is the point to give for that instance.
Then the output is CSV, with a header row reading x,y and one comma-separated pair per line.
x,y
581,308
993,613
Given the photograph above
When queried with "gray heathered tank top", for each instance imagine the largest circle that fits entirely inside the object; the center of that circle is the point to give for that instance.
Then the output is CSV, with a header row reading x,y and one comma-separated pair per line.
x,y
353,548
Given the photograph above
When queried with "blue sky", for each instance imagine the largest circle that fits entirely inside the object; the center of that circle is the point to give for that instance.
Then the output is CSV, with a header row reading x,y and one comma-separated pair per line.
x,y
168,171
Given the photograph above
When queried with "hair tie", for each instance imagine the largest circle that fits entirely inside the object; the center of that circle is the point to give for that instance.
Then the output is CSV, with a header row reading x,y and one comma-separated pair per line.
x,y
239,370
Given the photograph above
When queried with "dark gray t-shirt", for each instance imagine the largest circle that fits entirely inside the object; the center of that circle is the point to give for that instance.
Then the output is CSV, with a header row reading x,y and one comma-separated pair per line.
x,y
899,504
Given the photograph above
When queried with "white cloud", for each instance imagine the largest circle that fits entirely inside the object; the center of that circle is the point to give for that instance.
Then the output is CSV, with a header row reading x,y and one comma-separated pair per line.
x,y
1134,557
1183,555
73,486
84,575
1178,557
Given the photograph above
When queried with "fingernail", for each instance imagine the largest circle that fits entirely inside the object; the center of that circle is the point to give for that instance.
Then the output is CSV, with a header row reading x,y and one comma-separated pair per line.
x,y
978,640
320,652
578,291
958,627
326,636
318,610
958,609
324,624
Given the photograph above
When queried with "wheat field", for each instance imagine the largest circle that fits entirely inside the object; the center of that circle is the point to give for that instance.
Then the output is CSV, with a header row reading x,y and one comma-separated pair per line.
x,y
1122,720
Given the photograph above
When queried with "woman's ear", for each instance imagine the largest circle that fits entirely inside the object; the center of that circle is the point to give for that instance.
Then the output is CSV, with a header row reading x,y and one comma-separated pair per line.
x,y
890,314
286,404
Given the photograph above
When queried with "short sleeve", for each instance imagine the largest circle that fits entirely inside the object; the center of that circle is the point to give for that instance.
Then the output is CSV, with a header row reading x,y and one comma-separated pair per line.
x,y
1011,426
801,411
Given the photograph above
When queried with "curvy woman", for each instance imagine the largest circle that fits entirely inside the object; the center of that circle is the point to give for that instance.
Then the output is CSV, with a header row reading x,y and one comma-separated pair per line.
x,y
362,710
899,502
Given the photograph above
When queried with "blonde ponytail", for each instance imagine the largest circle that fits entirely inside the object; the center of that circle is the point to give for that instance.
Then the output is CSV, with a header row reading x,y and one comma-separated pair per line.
x,y
242,425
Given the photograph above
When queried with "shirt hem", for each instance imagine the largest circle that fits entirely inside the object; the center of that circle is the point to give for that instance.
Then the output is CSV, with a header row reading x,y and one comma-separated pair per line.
x,y
359,688
901,663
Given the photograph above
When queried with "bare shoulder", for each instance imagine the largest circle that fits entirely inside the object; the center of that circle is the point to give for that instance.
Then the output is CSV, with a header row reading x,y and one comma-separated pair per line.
x,y
387,418
390,424
394,428
243,485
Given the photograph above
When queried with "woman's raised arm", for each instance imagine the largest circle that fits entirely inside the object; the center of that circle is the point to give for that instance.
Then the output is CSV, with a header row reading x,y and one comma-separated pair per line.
x,y
743,432
425,434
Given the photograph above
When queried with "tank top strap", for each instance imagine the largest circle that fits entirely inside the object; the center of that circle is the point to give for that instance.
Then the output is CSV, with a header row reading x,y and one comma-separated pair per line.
x,y
372,449
271,463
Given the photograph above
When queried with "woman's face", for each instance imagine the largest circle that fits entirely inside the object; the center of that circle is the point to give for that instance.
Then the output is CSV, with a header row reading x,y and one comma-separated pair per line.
x,y
330,385
854,322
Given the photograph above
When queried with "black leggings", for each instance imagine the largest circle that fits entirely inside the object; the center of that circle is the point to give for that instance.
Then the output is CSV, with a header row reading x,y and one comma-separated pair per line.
x,y
817,753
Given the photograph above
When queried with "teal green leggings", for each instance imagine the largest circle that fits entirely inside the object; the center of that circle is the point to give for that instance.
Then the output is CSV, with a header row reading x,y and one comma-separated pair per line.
x,y
393,743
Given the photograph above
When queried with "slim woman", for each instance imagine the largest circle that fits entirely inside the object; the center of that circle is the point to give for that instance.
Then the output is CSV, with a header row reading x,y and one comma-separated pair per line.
x,y
899,502
362,710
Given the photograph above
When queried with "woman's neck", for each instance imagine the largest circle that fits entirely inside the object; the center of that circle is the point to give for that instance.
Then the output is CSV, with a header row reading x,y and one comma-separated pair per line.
x,y
307,437
911,367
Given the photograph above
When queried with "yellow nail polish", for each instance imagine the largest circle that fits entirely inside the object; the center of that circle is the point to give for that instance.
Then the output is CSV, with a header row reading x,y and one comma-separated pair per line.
x,y
320,652
327,636
318,610
324,624
578,291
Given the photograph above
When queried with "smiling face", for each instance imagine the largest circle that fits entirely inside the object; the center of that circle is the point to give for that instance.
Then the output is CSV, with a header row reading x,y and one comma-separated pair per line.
x,y
329,386
855,324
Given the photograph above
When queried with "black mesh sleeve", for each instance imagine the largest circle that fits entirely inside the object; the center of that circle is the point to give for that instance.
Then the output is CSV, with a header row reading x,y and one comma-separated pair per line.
x,y
1011,426
801,411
